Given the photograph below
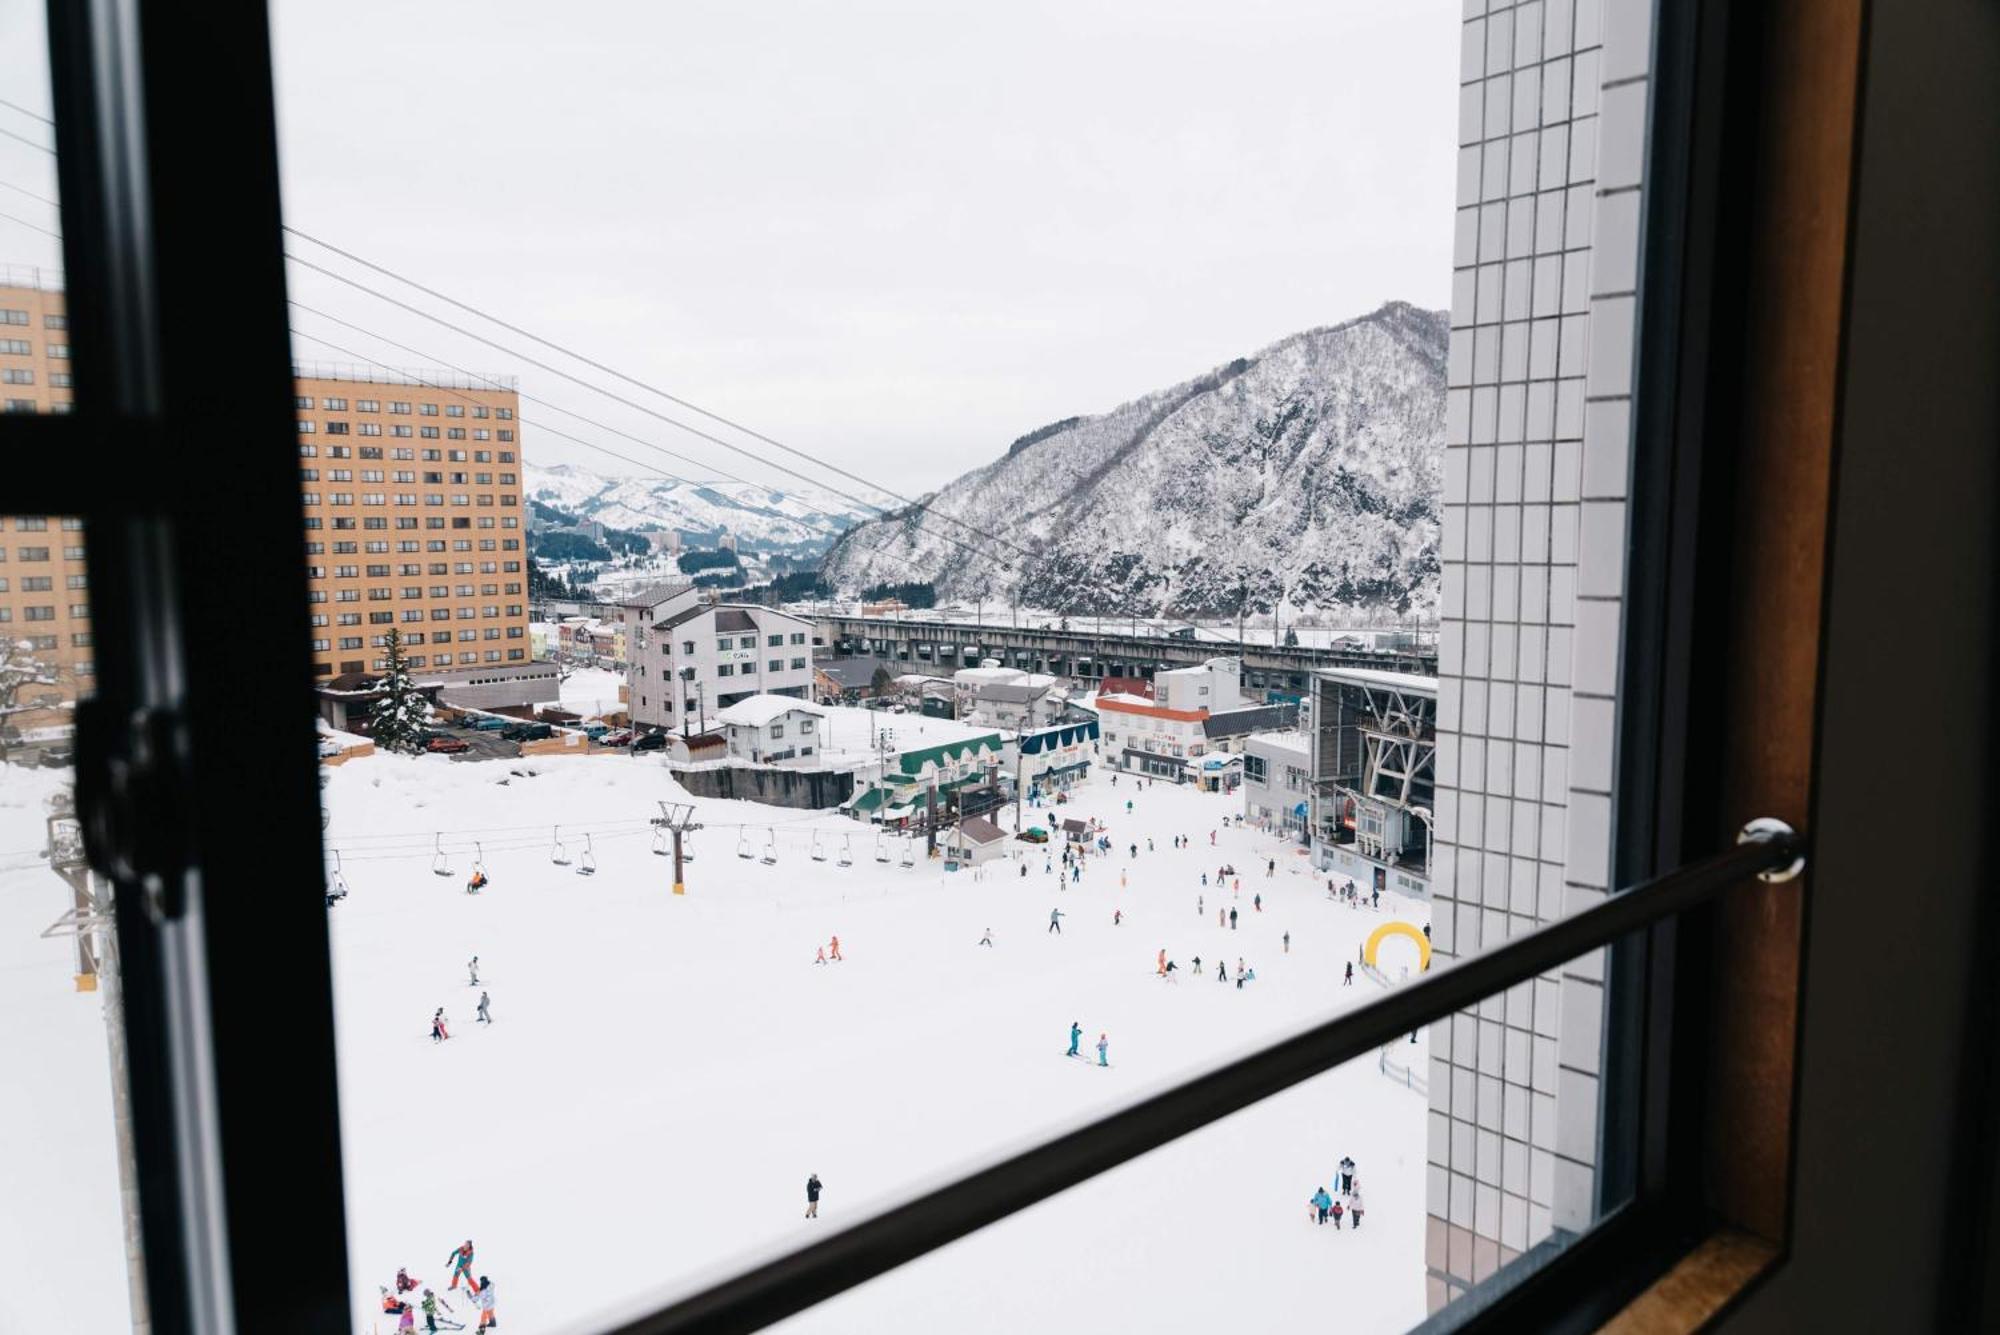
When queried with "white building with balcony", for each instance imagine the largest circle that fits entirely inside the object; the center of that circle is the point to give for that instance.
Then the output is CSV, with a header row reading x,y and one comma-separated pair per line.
x,y
688,659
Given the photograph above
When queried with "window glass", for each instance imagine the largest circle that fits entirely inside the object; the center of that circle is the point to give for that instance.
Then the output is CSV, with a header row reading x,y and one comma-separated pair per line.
x,y
36,375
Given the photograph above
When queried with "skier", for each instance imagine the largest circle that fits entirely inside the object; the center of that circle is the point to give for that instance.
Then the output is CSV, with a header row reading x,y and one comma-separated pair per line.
x,y
1103,1044
1204,880
819,956
1257,902
1076,872
1288,942
1135,850
1149,843
1232,920
1271,867
472,972
1024,869
1128,806
987,939
1121,880
477,883
1221,918
1222,971
406,1315
1211,838
460,1261
1075,1037
1322,1203
1055,922
1199,909
1117,916
1348,981
833,948
812,1195
1163,962
1197,966
1375,902
431,1318
484,1297
438,1032
484,1016
1346,1176
1354,1207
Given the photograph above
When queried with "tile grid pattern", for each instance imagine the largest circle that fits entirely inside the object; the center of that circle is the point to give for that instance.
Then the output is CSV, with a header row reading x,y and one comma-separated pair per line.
x,y
1551,129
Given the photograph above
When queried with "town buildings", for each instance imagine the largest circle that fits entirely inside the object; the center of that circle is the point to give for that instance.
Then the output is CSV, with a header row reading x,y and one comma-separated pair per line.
x,y
688,658
1277,781
772,730
1006,697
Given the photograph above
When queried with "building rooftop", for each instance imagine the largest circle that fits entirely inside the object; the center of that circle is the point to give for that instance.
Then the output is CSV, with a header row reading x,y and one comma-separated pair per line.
x,y
1397,681
759,710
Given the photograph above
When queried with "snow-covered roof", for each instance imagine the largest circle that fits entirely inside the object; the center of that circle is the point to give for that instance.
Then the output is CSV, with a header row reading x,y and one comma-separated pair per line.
x,y
760,710
1289,740
1396,681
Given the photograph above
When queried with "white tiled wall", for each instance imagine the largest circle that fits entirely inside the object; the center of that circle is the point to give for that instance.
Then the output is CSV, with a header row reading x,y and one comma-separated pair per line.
x,y
1552,111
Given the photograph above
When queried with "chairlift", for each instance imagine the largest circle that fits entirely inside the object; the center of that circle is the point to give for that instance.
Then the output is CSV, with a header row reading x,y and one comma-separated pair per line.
x,y
846,858
477,881
660,840
557,853
770,848
336,886
881,846
441,864
818,848
909,854
743,849
587,865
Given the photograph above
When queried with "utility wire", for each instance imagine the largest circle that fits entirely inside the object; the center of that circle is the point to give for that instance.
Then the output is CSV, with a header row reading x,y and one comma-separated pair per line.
x,y
33,227
39,199
651,389
538,424
617,398
29,112
29,142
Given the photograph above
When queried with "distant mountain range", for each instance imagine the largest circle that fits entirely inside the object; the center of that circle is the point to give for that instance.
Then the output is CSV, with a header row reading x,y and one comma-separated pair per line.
x,y
798,521
1310,472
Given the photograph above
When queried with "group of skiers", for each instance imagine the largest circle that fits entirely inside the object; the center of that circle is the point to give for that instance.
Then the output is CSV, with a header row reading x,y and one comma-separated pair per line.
x,y
829,951
441,1026
1076,1037
432,1306
1347,1188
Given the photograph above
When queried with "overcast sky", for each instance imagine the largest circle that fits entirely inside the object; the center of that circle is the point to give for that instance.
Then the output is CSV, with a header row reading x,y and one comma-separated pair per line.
x,y
894,235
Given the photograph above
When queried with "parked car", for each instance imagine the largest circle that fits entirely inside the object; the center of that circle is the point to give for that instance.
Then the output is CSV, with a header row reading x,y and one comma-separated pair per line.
x,y
57,757
489,723
447,746
652,741
596,730
526,732
622,737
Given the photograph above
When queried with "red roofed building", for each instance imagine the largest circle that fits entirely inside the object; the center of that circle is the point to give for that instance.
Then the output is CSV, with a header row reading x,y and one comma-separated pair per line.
x,y
1147,738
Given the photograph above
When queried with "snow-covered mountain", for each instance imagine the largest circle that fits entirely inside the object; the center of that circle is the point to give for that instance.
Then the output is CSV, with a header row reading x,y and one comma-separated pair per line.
x,y
801,520
1311,471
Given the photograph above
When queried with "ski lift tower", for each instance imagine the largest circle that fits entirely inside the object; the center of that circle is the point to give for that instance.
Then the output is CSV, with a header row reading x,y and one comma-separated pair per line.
x,y
677,818
90,922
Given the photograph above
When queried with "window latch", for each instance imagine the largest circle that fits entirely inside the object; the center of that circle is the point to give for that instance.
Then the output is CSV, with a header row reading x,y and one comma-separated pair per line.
x,y
132,786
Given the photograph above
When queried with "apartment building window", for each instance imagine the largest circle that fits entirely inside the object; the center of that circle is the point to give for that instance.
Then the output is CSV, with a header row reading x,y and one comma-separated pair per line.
x,y
367,405
339,452
798,637
19,347
17,376
9,316
55,322
335,405
336,428
400,429
454,433
399,407
775,665
369,429
32,553
47,613
58,351
307,428
38,584
798,663
427,410
428,433
505,434
454,410
726,670
20,405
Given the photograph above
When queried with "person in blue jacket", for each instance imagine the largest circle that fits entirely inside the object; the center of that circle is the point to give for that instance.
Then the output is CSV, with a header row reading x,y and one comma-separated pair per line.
x,y
1075,1037
1102,1044
1322,1203
460,1261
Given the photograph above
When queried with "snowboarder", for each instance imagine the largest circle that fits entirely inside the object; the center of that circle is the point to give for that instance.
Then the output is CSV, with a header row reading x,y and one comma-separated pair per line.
x,y
1103,1044
1346,1176
833,948
1288,942
1354,1207
1322,1203
485,1017
483,1295
1170,970
438,1031
1075,1037
987,939
460,1261
1348,981
1232,920
1055,922
812,1195
472,972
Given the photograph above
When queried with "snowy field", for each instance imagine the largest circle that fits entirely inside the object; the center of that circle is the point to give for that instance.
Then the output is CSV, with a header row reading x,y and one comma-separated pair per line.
x,y
664,1072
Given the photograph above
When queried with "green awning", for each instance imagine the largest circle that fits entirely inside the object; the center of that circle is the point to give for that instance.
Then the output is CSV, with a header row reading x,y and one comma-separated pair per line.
x,y
867,801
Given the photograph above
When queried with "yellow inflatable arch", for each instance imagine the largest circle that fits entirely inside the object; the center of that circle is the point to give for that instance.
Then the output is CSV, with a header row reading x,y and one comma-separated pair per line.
x,y
1398,929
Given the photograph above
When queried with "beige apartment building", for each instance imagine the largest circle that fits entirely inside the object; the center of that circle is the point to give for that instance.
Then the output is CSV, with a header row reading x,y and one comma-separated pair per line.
x,y
414,521
413,515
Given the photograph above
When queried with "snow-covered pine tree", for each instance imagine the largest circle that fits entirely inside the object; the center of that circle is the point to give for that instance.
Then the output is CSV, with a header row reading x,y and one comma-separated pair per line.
x,y
402,714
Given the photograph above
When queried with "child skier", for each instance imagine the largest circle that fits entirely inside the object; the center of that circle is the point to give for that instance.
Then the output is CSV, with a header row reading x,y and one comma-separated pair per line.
x,y
819,956
1102,1044
403,1281
438,1032
429,1306
1336,1214
485,1017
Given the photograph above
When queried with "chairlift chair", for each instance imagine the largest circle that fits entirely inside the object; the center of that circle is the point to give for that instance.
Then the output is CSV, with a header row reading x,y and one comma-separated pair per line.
x,y
770,848
557,853
818,848
881,846
477,880
909,853
743,849
587,865
440,863
660,840
336,886
846,858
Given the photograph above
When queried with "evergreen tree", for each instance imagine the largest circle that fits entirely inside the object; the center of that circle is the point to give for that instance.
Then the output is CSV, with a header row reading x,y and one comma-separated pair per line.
x,y
402,714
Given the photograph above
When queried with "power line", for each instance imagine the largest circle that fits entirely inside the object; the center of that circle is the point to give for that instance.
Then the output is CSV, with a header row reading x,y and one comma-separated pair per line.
x,y
33,227
538,424
650,388
30,113
618,398
29,142
39,199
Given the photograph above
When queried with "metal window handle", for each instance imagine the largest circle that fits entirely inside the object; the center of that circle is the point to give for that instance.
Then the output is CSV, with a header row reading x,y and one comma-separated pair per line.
x,y
132,778
1771,829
